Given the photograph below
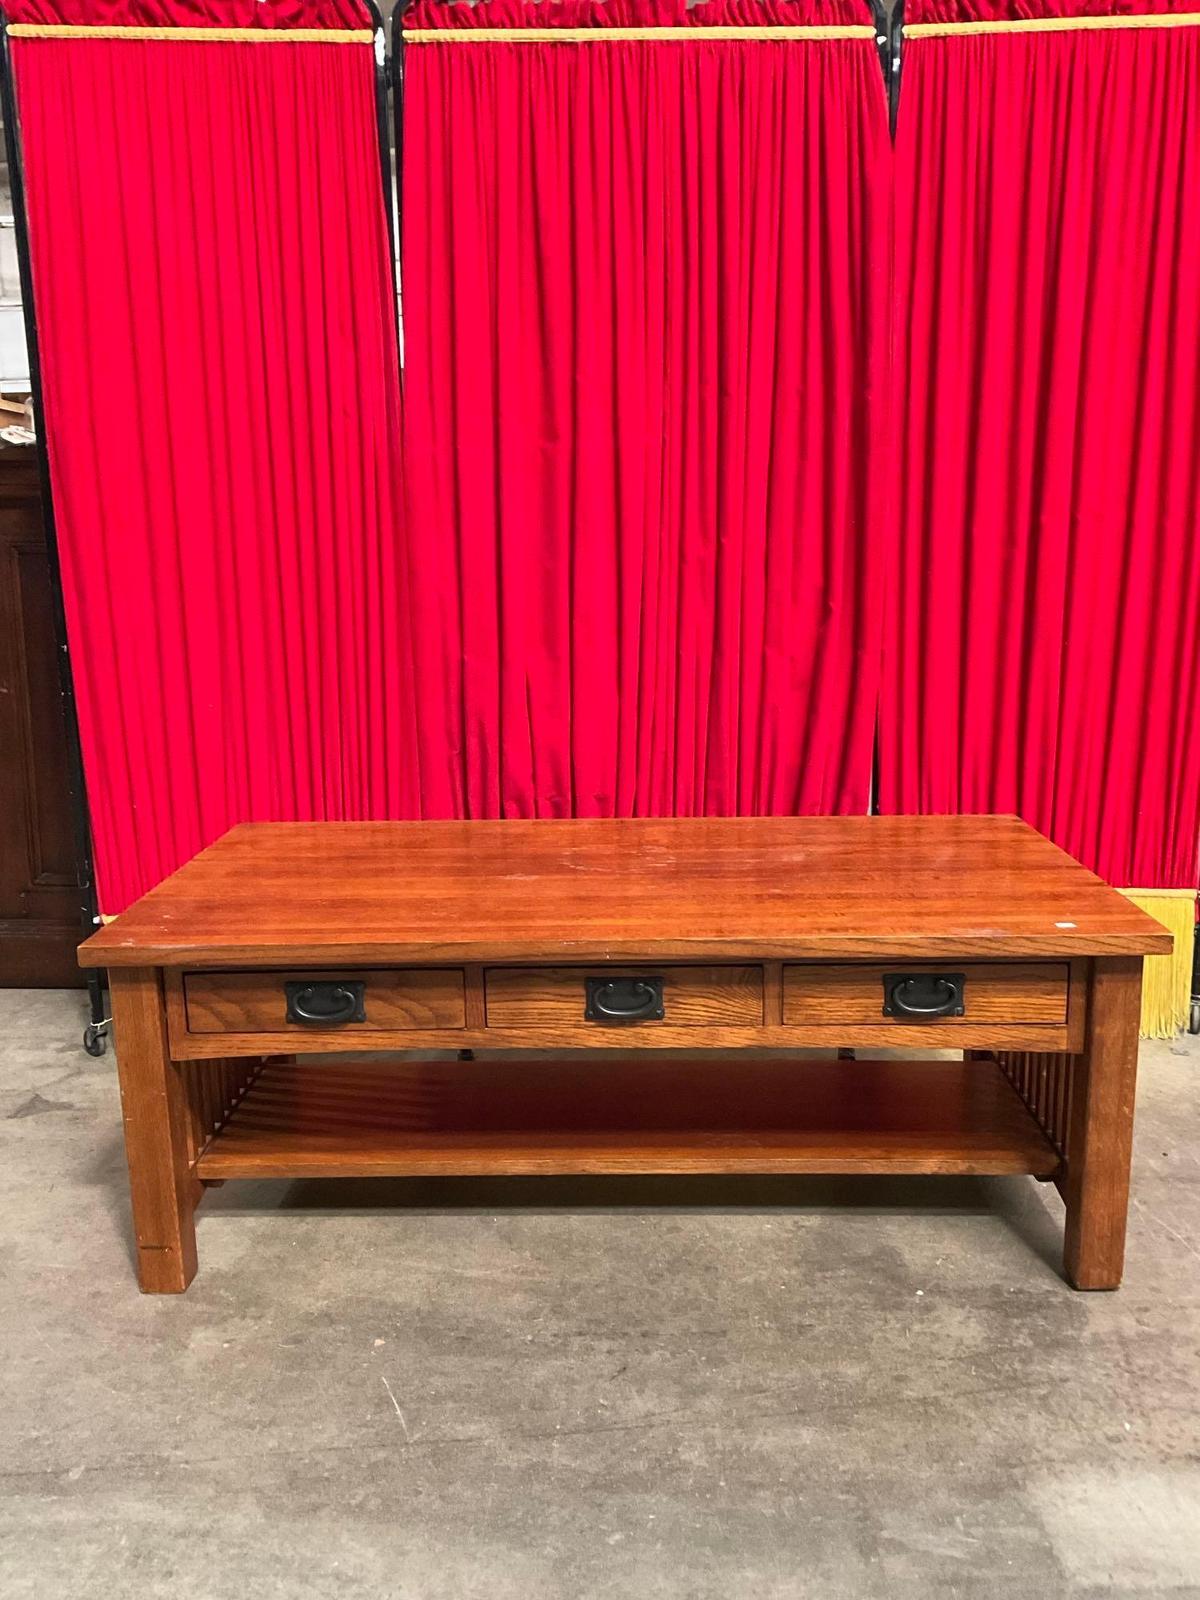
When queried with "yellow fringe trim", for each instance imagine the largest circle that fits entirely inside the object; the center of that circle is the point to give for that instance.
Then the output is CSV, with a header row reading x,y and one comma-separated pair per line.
x,y
1167,980
1155,19
55,30
610,35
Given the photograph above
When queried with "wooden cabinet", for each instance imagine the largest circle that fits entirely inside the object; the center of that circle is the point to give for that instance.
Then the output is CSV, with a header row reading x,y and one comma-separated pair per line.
x,y
39,897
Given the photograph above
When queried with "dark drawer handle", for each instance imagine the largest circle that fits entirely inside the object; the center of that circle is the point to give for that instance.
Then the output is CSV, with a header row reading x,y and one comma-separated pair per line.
x,y
924,996
621,1000
326,1005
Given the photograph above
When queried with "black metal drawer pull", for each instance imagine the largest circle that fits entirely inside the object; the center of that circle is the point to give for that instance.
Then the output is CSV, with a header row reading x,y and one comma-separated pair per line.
x,y
616,1001
325,1005
924,996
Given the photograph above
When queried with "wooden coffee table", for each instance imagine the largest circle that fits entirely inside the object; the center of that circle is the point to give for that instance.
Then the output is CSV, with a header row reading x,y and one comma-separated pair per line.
x,y
282,942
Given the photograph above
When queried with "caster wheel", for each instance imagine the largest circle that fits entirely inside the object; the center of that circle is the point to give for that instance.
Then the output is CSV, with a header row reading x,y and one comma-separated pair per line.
x,y
95,1039
1194,1020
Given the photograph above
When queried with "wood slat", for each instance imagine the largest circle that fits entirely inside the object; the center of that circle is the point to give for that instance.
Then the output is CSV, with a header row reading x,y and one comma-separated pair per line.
x,y
633,1115
1044,1082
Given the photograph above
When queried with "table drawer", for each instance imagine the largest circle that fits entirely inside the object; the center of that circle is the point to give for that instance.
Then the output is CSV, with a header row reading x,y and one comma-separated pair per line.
x,y
307,1000
948,993
641,996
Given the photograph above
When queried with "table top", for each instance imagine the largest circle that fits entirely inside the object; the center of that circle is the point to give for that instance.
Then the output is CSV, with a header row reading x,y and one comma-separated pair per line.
x,y
765,887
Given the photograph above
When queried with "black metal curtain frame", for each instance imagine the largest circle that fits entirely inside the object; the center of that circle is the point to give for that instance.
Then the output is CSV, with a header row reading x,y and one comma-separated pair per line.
x,y
95,1034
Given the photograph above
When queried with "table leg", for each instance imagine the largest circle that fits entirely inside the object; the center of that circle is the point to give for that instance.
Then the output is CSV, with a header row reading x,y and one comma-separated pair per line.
x,y
154,1106
1100,1137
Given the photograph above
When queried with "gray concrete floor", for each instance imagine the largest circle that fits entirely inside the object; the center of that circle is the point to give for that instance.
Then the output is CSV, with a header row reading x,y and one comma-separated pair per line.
x,y
439,1391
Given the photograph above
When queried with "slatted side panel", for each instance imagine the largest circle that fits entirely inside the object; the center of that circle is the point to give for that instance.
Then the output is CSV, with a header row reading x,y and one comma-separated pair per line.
x,y
214,1090
1044,1080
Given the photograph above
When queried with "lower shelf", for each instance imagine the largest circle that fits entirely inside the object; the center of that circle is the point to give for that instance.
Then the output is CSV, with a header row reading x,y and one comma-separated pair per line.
x,y
397,1119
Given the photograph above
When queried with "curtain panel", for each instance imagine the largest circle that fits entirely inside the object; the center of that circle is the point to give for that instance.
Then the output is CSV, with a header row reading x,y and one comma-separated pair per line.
x,y
1043,654
259,15
641,281
214,299
920,13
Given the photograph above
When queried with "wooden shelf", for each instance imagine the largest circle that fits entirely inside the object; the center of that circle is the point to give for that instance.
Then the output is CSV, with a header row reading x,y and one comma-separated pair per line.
x,y
353,1118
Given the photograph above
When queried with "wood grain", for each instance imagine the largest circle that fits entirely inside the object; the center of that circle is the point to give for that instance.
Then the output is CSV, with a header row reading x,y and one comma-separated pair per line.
x,y
350,1118
553,997
1013,992
1100,1135
739,889
160,1135
396,1000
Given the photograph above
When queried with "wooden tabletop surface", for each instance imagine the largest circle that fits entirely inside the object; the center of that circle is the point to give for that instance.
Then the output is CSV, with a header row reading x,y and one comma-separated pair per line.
x,y
280,893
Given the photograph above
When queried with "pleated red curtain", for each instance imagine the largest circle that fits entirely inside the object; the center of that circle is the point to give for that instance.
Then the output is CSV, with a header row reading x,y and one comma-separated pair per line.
x,y
641,281
215,307
1043,638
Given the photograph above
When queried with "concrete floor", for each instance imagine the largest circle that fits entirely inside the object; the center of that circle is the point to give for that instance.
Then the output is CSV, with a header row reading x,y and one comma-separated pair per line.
x,y
439,1391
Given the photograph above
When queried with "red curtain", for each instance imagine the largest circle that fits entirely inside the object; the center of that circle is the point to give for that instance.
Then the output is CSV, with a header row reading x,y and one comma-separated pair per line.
x,y
640,289
1043,647
262,15
215,308
956,11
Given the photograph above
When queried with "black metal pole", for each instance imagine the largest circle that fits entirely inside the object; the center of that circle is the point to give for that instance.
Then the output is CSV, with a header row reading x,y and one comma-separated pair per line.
x,y
895,36
94,1036
398,119
888,24
879,19
390,186
887,45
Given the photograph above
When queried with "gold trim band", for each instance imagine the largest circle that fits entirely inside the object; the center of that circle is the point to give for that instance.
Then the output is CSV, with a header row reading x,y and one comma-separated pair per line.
x,y
958,30
611,35
56,30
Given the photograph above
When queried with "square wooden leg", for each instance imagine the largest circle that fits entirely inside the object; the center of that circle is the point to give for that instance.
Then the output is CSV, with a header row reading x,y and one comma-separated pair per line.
x,y
154,1106
1100,1137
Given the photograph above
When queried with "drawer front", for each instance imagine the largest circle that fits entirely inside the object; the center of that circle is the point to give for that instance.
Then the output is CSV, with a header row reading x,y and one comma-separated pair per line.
x,y
947,993
305,1001
648,996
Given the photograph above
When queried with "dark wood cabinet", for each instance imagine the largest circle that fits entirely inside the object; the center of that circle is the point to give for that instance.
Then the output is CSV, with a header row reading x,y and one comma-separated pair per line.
x,y
39,897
